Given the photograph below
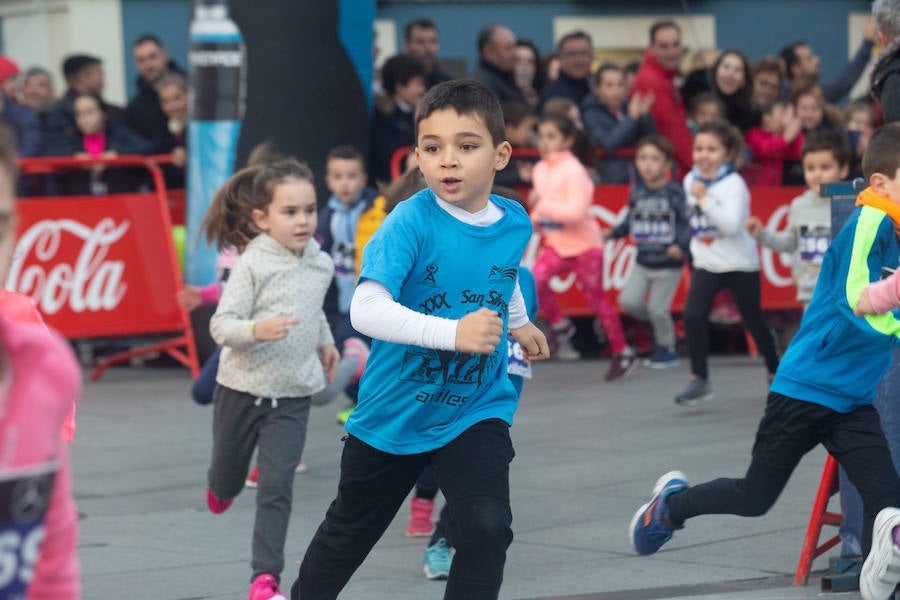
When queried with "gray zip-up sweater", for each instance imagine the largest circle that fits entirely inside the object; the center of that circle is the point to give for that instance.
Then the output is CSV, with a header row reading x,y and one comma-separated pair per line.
x,y
807,236
268,281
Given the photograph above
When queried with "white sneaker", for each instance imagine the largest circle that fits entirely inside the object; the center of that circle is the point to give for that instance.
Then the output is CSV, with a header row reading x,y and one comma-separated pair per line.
x,y
566,351
881,571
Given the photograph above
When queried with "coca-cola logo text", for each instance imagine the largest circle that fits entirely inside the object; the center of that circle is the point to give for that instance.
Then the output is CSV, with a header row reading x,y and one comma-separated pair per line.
x,y
90,283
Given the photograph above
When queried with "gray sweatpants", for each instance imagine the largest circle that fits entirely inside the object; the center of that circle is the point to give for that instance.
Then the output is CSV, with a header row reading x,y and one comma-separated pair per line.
x,y
242,422
661,285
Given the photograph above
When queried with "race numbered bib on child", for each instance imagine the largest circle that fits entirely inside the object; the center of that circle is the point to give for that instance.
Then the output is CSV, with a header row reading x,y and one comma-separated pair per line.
x,y
344,257
24,498
517,363
701,228
550,225
813,243
653,227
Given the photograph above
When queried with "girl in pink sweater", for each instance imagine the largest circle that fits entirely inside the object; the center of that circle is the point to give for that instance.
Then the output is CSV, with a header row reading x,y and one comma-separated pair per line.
x,y
39,381
562,198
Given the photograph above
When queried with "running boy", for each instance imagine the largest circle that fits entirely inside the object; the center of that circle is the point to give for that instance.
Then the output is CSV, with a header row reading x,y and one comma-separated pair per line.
x,y
804,408
657,222
437,292
826,158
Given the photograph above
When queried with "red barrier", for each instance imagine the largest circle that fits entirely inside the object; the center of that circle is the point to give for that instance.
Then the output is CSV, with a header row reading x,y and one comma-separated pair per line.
x,y
103,266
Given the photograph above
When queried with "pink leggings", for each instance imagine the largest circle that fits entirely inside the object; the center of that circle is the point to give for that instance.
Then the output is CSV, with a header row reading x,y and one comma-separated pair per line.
x,y
588,269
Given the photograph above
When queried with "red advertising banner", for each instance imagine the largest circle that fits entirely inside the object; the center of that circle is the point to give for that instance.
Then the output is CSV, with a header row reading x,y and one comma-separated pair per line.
x,y
770,204
103,266
96,266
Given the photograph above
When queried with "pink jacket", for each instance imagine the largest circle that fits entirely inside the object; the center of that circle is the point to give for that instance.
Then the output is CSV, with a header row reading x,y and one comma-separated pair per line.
x,y
884,295
565,194
40,381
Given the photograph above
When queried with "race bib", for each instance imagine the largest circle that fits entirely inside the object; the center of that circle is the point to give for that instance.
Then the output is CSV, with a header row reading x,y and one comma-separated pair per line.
x,y
344,257
701,227
813,243
550,225
24,498
653,227
517,363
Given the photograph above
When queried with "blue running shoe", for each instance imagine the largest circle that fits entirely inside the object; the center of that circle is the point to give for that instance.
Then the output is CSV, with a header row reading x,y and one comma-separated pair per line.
x,y
436,560
650,527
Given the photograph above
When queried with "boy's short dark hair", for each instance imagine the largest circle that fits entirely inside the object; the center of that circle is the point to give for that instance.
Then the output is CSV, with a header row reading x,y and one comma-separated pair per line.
x,y
514,112
466,97
883,152
706,98
659,142
76,63
346,152
399,70
420,23
828,140
607,68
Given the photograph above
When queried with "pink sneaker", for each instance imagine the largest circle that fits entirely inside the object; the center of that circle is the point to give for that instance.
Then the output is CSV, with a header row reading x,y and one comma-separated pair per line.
x,y
265,587
358,349
216,506
420,523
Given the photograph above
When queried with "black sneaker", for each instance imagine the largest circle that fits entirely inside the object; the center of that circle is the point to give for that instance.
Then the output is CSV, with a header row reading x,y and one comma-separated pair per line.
x,y
661,358
621,366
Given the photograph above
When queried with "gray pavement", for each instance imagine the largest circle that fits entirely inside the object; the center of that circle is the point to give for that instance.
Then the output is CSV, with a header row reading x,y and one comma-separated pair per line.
x,y
588,453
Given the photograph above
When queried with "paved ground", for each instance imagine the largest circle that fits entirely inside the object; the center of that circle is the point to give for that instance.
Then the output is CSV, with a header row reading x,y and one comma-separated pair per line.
x,y
588,453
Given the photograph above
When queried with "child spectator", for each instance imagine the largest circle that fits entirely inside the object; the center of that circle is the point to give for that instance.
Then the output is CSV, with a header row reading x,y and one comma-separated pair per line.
x,y
613,121
41,381
705,107
447,358
822,393
565,108
767,74
561,201
403,81
345,176
814,115
271,322
99,137
859,124
521,126
657,222
776,139
723,253
825,158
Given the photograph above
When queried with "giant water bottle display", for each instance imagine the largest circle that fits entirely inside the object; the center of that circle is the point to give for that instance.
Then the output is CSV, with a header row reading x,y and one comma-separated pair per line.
x,y
216,102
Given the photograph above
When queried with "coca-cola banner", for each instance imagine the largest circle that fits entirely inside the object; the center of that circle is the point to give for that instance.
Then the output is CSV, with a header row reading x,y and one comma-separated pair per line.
x,y
98,266
770,204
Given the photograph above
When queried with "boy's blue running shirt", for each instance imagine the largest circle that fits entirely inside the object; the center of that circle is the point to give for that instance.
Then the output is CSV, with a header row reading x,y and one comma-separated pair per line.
x,y
836,359
414,399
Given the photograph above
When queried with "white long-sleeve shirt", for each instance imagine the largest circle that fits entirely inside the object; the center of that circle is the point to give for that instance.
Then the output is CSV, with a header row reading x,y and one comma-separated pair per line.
x,y
375,313
722,244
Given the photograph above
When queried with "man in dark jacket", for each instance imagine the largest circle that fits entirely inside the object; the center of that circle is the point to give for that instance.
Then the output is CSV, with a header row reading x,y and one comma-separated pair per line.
x,y
84,75
885,85
497,62
420,40
576,52
143,113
